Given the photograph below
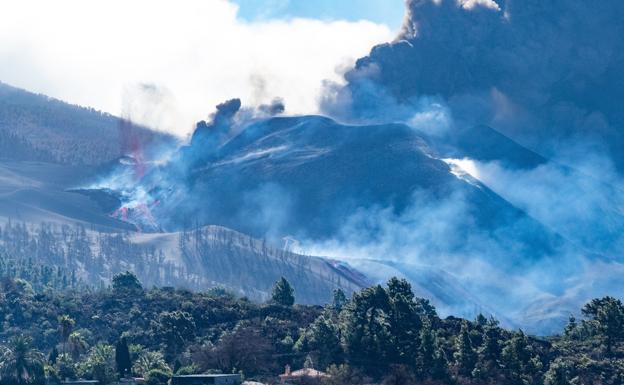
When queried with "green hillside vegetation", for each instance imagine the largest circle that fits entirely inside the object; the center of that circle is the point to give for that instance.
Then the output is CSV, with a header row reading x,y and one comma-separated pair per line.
x,y
383,334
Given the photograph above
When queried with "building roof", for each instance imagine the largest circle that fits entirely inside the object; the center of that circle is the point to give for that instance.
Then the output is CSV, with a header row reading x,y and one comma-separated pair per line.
x,y
206,375
305,372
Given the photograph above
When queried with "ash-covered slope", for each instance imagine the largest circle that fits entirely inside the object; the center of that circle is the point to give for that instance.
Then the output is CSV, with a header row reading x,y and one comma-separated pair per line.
x,y
205,258
215,256
35,192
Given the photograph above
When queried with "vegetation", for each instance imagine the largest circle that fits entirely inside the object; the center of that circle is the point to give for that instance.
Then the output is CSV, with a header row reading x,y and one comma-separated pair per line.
x,y
382,335
283,293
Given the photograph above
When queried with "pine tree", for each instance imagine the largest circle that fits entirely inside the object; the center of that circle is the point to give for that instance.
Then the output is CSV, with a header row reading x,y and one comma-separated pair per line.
x,y
571,328
283,293
439,369
323,337
427,351
405,322
465,356
491,349
339,300
608,314
366,330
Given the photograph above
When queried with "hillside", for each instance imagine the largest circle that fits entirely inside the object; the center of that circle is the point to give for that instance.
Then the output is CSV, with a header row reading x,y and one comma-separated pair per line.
x,y
39,128
43,219
219,257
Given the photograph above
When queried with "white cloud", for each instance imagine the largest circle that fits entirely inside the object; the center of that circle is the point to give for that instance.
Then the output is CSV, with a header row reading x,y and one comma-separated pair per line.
x,y
197,52
470,4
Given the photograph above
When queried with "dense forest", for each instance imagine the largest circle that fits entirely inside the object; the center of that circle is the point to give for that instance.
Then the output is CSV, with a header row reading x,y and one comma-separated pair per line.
x,y
382,335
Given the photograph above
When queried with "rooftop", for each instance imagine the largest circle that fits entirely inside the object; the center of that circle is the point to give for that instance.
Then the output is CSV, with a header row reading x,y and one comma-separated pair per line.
x,y
305,372
206,375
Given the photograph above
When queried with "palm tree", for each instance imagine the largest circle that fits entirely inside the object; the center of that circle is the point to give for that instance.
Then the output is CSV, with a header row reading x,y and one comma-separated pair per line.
x,y
149,360
99,364
66,324
20,364
77,345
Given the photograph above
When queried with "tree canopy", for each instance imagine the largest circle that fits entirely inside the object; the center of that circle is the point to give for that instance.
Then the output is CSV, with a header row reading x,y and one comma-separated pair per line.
x,y
283,293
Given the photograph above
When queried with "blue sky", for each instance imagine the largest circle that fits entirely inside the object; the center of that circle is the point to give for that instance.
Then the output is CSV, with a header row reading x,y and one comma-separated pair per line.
x,y
389,12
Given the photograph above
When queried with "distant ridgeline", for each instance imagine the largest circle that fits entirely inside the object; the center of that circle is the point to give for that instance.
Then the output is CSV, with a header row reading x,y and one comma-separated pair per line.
x,y
200,259
39,128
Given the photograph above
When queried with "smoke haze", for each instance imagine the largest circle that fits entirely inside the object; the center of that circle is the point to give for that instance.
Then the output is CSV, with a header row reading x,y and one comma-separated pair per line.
x,y
481,159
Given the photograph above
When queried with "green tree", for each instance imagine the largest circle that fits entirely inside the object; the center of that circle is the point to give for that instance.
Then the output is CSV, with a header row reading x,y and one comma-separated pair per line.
x,y
608,314
148,360
122,357
76,345
481,320
425,308
516,358
20,363
399,375
427,351
465,356
405,322
283,293
53,355
187,370
99,364
571,328
345,375
439,369
126,283
366,330
431,361
323,338
559,373
65,366
339,300
51,375
66,326
175,328
490,349
157,377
